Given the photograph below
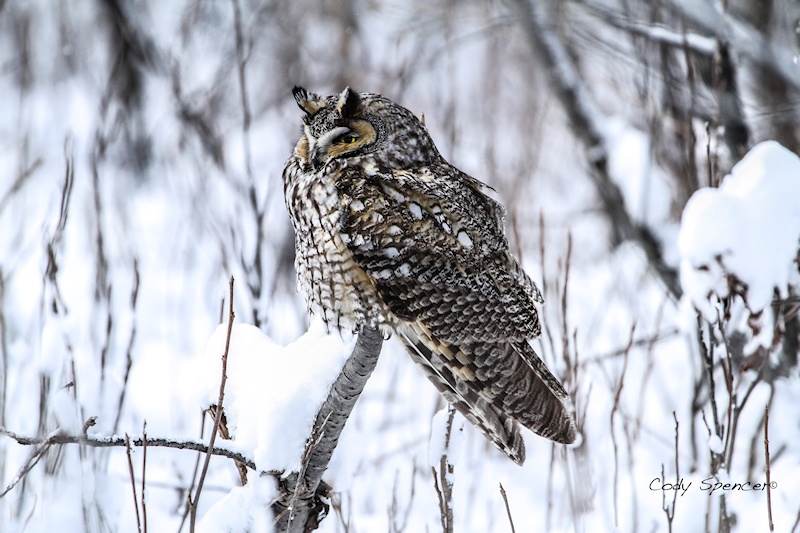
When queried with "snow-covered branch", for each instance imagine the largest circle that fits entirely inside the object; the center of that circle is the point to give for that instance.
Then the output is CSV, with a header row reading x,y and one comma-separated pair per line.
x,y
117,441
298,504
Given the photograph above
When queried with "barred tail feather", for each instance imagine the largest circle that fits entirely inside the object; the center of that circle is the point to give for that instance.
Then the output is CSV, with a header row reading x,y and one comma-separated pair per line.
x,y
500,429
496,386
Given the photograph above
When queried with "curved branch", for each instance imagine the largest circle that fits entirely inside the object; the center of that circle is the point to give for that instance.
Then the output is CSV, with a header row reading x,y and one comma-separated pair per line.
x,y
298,506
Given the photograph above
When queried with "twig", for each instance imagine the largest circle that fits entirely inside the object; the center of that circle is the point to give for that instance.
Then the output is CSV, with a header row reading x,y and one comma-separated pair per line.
x,y
717,459
508,509
133,483
215,429
617,396
708,358
188,507
766,455
440,496
670,511
30,463
110,442
664,505
131,340
564,318
255,282
144,469
446,469
648,341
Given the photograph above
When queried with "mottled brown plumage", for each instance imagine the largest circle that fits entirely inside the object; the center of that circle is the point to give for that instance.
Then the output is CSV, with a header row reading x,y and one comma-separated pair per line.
x,y
390,235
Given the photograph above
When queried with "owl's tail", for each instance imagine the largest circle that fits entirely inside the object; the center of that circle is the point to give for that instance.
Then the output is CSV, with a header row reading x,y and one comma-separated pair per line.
x,y
496,386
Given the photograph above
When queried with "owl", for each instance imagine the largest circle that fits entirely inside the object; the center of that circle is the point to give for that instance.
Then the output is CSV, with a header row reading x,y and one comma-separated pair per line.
x,y
391,236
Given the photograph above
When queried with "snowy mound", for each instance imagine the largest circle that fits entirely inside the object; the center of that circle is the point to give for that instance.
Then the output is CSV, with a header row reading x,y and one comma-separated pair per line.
x,y
273,392
744,235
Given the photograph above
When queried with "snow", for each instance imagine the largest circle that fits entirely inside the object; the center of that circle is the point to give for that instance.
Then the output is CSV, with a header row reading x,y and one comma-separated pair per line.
x,y
715,444
446,438
242,509
273,392
748,228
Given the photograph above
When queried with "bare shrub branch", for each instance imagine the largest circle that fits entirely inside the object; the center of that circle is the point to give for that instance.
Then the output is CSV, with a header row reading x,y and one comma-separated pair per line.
x,y
133,483
218,417
508,508
442,479
766,459
109,442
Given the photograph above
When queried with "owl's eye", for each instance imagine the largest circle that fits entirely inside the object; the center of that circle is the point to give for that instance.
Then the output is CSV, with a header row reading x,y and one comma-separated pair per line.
x,y
347,138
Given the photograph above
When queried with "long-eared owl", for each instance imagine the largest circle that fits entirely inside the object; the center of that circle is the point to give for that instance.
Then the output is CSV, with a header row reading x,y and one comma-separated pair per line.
x,y
389,235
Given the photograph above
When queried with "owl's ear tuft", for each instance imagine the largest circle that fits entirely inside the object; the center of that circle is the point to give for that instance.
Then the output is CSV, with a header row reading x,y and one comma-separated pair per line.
x,y
348,103
308,102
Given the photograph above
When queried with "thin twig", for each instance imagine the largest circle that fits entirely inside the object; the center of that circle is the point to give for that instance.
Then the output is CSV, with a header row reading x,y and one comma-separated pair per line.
x,y
564,318
508,509
446,469
30,463
144,469
669,511
133,483
617,397
188,507
215,429
110,442
440,496
766,455
131,341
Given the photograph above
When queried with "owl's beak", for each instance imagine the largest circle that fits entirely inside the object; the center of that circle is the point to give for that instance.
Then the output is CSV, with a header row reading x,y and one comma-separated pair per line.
x,y
317,158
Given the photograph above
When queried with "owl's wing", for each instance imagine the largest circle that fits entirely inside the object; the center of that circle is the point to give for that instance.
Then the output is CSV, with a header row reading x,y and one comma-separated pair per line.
x,y
436,248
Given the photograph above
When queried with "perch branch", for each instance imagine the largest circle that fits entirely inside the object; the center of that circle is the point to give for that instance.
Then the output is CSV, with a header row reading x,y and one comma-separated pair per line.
x,y
298,506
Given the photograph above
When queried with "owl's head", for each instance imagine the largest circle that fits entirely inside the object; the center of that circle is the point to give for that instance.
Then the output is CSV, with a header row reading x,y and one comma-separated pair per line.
x,y
351,125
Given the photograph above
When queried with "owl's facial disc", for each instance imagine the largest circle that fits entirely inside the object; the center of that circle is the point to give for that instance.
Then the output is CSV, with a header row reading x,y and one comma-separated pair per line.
x,y
352,137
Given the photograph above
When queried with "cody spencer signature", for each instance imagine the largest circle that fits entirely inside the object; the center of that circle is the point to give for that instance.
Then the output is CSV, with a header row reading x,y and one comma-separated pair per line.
x,y
709,484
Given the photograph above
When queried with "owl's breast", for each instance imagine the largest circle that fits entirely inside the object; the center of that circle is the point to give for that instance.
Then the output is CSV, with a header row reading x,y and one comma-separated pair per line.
x,y
335,286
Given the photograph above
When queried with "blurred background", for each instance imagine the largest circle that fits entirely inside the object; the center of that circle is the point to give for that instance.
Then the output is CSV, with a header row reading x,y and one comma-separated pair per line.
x,y
142,148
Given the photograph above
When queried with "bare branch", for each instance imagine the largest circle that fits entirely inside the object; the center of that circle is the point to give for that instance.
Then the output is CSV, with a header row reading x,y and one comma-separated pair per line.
x,y
766,456
30,463
133,483
109,442
445,490
508,509
144,469
218,416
